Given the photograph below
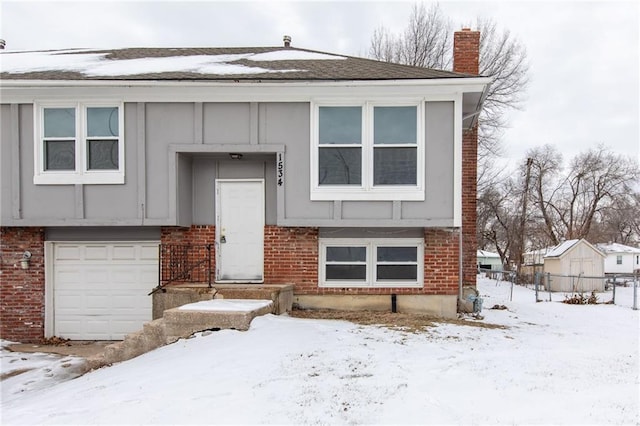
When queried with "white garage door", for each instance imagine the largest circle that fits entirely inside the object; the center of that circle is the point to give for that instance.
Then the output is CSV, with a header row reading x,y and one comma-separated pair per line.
x,y
100,289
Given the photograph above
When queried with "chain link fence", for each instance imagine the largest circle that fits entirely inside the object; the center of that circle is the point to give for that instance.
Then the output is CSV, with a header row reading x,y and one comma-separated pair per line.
x,y
584,289
576,288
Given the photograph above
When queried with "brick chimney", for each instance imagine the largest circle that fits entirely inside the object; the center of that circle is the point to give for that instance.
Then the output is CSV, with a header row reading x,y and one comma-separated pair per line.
x,y
466,58
466,51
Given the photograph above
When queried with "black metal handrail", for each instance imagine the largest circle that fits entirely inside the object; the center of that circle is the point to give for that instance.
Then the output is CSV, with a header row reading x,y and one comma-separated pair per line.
x,y
190,263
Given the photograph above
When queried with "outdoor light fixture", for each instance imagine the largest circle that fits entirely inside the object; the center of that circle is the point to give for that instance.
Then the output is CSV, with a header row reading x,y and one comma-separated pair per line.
x,y
24,262
235,156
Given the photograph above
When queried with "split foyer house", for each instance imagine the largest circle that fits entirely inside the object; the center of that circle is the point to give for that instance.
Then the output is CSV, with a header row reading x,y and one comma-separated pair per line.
x,y
351,179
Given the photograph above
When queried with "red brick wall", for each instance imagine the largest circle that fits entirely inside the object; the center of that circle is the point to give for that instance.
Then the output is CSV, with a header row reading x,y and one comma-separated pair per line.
x,y
469,205
466,57
197,235
21,290
466,51
291,257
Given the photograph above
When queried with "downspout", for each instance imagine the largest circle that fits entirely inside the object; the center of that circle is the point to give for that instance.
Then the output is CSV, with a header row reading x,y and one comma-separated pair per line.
x,y
460,265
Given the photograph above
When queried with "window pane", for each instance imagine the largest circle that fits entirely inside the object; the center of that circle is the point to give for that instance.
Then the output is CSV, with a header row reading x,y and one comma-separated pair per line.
x,y
59,155
59,122
102,121
340,166
394,166
346,254
393,125
397,254
397,272
346,272
102,155
340,125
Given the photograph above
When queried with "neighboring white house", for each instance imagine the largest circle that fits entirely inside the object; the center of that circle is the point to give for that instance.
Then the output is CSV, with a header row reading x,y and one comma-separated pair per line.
x,y
620,259
489,261
574,266
536,257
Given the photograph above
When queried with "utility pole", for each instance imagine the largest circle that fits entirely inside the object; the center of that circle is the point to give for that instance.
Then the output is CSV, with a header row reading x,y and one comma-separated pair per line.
x,y
523,216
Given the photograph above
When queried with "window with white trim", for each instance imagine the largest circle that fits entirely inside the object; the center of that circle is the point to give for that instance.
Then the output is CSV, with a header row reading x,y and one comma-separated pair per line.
x,y
371,262
79,143
619,259
367,151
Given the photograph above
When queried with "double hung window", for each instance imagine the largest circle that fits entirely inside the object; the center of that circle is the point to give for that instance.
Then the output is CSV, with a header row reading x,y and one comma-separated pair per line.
x,y
368,151
371,263
79,143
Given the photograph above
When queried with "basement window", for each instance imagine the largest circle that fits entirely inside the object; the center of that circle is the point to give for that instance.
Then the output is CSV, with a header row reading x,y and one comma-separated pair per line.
x,y
371,262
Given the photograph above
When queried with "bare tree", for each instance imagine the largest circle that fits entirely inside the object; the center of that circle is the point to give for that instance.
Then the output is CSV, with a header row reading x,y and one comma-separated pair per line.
x,y
499,218
427,42
619,222
570,203
546,166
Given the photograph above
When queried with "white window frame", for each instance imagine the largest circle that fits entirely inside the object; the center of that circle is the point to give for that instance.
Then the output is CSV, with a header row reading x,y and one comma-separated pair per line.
x,y
619,259
82,174
367,190
371,245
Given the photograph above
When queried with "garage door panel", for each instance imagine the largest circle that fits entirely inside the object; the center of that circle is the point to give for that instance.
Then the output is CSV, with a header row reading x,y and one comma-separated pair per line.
x,y
67,252
125,253
100,290
149,252
96,253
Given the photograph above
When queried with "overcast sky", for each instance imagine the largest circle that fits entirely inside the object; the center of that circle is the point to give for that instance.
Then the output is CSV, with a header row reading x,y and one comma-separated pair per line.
x,y
584,56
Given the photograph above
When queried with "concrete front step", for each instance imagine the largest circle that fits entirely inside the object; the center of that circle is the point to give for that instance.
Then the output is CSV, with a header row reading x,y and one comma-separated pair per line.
x,y
173,296
180,323
213,314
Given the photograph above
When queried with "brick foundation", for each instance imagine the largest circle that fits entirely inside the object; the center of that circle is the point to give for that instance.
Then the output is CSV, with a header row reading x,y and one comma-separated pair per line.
x,y
22,290
291,257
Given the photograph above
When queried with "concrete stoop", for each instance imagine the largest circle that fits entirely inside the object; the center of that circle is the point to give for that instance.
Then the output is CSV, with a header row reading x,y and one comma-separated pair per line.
x,y
182,322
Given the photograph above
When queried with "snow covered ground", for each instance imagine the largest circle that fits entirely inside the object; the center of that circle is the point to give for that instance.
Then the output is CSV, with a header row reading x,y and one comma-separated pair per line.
x,y
554,364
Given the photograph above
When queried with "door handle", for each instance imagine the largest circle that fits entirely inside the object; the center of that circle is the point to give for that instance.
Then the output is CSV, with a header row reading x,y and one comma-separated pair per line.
x,y
223,239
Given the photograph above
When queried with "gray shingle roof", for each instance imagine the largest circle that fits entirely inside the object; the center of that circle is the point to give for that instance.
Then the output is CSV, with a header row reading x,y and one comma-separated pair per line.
x,y
215,64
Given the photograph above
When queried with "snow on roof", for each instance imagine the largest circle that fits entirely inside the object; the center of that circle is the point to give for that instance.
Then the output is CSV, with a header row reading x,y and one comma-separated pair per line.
x,y
561,248
617,248
204,63
292,55
484,253
226,305
97,65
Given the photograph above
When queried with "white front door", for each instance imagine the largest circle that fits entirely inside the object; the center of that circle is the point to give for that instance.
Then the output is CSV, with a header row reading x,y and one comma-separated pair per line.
x,y
239,230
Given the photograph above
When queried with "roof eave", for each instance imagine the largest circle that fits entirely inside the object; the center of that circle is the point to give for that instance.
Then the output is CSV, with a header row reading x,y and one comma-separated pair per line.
x,y
467,84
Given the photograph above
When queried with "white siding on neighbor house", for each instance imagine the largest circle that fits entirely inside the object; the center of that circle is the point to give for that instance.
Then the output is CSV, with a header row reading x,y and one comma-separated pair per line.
x,y
621,259
629,263
488,259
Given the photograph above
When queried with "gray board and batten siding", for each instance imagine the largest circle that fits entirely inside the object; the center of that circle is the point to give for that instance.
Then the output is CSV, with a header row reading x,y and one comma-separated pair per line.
x,y
175,151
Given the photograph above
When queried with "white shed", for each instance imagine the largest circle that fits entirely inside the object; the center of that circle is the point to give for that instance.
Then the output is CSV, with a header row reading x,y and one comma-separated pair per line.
x,y
620,259
489,261
575,266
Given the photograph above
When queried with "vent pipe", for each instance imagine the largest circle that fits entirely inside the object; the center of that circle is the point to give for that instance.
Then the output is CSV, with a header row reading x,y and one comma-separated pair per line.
x,y
287,41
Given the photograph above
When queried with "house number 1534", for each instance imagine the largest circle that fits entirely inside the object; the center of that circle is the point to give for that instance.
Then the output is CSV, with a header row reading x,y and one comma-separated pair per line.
x,y
280,170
